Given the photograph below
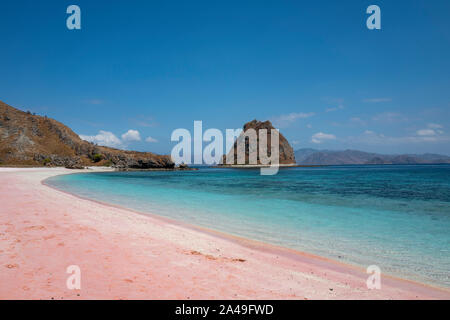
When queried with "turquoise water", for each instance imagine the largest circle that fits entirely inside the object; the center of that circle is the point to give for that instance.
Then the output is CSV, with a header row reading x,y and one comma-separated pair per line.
x,y
396,217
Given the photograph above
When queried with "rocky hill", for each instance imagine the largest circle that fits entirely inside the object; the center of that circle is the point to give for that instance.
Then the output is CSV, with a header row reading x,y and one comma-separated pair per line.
x,y
331,157
27,139
286,153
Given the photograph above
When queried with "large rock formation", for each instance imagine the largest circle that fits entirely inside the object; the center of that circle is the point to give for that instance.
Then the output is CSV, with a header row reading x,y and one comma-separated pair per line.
x,y
27,139
286,153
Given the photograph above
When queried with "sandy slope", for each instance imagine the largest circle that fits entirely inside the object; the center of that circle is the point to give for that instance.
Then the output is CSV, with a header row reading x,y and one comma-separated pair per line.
x,y
125,255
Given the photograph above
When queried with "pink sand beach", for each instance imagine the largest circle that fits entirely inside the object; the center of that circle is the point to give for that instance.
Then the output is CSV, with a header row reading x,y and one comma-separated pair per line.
x,y
126,255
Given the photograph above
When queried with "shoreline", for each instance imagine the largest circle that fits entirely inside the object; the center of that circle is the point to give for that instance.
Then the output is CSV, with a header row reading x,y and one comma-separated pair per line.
x,y
255,244
331,272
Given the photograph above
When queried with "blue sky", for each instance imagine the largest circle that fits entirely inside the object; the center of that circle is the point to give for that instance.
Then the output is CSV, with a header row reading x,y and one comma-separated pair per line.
x,y
312,67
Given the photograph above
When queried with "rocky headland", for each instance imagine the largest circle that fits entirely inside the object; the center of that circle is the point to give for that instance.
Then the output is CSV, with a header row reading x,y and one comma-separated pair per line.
x,y
32,140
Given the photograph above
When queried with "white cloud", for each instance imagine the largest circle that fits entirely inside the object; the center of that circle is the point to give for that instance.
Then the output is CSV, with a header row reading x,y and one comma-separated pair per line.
x,y
150,139
309,126
426,132
286,119
389,117
377,100
435,132
109,139
103,138
358,121
435,126
144,121
339,107
321,137
131,135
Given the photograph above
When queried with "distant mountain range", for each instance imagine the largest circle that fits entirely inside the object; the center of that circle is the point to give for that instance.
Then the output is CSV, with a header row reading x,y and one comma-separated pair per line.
x,y
331,157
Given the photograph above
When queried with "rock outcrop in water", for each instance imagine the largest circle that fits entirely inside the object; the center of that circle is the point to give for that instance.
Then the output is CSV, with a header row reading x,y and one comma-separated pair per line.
x,y
27,139
286,153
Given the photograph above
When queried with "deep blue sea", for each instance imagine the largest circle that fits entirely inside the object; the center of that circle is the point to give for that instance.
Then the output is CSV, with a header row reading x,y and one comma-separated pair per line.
x,y
395,217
